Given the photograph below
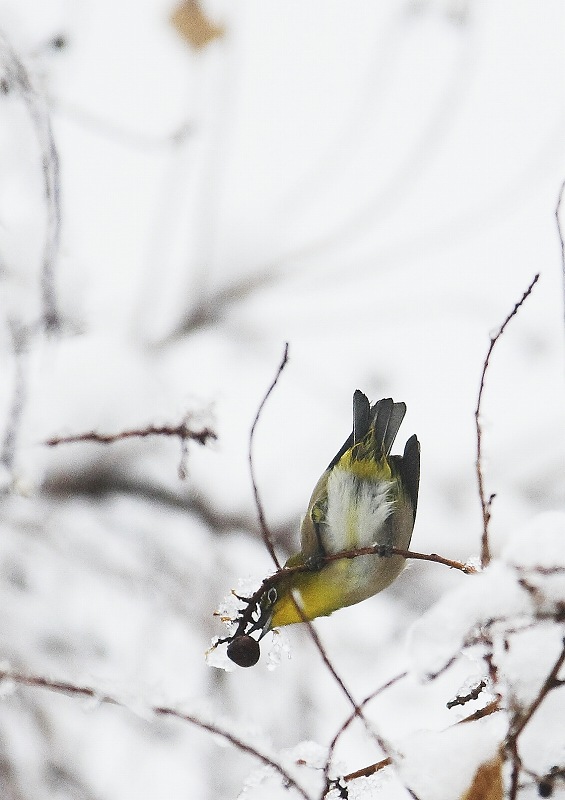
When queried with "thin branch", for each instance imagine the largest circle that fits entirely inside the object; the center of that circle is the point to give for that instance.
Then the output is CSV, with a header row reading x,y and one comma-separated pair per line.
x,y
461,700
183,431
486,504
326,659
551,682
561,240
265,533
378,549
18,76
366,772
489,709
64,687
344,727
521,720
126,138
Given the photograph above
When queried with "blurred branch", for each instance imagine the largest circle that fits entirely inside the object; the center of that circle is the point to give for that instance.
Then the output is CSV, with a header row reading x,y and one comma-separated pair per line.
x,y
19,337
183,431
17,75
561,240
214,307
120,135
9,676
265,532
486,503
429,137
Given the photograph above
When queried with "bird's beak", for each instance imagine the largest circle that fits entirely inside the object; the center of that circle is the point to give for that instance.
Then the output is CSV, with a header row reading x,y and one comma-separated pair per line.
x,y
262,623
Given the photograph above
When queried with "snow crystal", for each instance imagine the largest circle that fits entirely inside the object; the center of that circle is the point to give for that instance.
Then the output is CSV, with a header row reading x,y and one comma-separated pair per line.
x,y
217,657
280,647
304,763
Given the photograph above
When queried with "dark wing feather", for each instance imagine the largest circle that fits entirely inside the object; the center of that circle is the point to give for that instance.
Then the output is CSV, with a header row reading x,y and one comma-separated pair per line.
x,y
409,466
361,416
361,421
387,417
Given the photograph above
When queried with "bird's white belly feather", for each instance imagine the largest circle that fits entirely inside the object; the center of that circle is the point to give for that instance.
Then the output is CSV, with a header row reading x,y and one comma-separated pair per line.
x,y
356,513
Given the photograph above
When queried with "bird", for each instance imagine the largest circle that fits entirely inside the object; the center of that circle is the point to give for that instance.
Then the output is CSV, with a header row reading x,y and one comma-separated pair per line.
x,y
365,498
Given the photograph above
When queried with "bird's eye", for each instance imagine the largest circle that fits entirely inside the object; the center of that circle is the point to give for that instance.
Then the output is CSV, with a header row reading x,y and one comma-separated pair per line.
x,y
272,595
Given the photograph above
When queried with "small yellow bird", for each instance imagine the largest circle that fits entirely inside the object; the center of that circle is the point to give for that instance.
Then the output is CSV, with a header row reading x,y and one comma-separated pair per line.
x,y
365,497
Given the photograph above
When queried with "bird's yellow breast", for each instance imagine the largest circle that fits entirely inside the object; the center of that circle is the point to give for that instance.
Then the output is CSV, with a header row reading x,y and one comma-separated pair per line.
x,y
340,583
317,593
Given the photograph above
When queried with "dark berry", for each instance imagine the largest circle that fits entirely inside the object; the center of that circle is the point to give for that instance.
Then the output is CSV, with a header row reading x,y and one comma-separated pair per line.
x,y
244,651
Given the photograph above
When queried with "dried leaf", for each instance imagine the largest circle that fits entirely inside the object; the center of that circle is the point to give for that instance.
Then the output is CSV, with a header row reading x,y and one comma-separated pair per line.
x,y
193,25
487,783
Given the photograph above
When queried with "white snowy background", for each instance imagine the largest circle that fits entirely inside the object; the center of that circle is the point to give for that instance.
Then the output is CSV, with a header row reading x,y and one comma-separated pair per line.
x,y
375,183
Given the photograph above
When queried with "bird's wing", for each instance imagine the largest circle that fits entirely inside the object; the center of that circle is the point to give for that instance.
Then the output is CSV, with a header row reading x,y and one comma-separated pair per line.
x,y
386,416
409,467
311,544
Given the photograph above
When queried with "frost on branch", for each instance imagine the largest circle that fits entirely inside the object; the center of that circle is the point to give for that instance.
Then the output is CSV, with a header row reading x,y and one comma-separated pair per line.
x,y
229,613
305,762
511,618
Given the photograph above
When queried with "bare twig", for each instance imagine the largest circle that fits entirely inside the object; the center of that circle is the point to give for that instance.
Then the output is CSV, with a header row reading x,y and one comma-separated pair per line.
x,y
460,700
17,75
396,551
366,772
183,431
127,138
265,533
489,709
64,687
551,682
486,504
520,721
